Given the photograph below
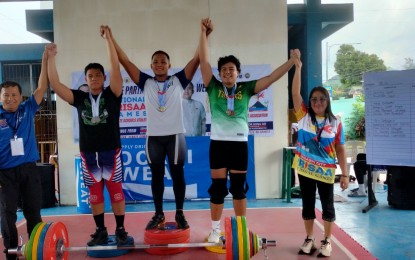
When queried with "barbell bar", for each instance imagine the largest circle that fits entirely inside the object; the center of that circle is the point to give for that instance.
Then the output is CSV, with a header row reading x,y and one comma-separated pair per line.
x,y
50,241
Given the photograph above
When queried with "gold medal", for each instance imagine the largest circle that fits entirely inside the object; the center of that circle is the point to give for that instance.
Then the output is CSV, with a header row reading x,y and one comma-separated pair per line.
x,y
230,112
162,108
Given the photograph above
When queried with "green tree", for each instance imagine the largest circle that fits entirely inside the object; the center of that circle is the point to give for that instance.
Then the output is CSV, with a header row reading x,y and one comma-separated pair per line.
x,y
351,64
409,64
356,123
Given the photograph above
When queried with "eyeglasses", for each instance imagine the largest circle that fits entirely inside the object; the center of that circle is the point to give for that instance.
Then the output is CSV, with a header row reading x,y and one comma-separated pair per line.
x,y
315,100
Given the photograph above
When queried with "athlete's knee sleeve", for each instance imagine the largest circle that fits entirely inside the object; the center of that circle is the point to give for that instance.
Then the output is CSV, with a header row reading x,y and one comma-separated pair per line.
x,y
115,191
239,186
218,191
96,193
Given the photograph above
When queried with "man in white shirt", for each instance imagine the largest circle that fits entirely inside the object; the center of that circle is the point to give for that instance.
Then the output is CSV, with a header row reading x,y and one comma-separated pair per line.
x,y
194,115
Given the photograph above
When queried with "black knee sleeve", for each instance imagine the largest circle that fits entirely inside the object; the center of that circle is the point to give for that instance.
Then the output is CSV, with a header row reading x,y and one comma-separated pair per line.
x,y
239,186
218,191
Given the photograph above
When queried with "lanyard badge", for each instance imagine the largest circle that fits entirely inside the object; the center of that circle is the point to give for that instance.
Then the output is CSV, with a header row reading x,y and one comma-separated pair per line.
x,y
16,144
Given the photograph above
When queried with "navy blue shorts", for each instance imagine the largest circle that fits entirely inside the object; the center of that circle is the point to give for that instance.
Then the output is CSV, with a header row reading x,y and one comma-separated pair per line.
x,y
101,165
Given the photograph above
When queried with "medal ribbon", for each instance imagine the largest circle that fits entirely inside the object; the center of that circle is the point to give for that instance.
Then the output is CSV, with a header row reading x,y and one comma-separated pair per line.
x,y
95,104
161,93
230,98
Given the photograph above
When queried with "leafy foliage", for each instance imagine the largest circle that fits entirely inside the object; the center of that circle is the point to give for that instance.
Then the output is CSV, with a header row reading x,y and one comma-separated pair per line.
x,y
356,123
351,64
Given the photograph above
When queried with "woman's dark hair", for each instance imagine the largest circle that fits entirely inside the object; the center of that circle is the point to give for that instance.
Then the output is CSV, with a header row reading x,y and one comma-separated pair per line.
x,y
94,66
328,113
223,60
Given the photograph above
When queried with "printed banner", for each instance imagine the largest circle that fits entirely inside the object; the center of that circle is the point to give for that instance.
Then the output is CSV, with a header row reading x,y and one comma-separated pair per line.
x,y
137,173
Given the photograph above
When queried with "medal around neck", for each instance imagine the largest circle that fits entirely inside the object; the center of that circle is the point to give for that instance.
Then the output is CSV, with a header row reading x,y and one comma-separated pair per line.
x,y
161,108
162,96
95,120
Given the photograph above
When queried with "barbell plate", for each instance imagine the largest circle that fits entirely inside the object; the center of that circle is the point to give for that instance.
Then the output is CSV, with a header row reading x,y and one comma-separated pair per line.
x,y
228,237
254,244
36,240
169,234
252,247
42,241
245,233
28,248
240,238
56,235
257,243
220,249
235,242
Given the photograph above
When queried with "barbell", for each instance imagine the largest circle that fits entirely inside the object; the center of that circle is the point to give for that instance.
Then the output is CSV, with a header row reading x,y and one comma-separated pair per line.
x,y
50,241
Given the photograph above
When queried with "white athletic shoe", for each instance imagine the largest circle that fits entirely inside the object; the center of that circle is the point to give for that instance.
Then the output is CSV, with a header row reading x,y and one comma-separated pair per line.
x,y
308,246
214,236
325,248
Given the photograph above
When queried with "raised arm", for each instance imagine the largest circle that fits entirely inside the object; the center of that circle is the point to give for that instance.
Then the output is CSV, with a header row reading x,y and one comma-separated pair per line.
x,y
42,85
115,73
132,70
60,89
206,28
192,65
296,87
266,81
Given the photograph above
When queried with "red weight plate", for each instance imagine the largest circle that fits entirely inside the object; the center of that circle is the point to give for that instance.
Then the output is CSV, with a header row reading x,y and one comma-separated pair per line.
x,y
228,237
56,237
170,234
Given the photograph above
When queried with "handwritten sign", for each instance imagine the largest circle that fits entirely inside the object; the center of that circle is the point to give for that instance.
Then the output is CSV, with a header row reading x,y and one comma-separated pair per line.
x,y
390,117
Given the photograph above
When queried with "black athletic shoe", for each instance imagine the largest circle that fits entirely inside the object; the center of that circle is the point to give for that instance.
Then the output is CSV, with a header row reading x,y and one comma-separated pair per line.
x,y
121,236
156,221
100,237
181,221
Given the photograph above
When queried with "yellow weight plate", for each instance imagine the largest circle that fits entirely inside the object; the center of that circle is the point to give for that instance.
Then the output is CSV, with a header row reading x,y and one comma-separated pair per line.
x,y
36,241
240,238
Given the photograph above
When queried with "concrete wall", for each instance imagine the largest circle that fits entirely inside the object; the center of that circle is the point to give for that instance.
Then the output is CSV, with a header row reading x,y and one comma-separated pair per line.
x,y
254,31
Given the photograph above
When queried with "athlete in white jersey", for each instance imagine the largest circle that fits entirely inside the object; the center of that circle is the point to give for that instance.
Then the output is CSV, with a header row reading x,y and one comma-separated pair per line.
x,y
165,129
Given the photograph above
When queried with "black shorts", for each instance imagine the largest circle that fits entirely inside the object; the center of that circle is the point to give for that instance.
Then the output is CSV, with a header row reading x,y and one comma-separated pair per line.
x,y
228,154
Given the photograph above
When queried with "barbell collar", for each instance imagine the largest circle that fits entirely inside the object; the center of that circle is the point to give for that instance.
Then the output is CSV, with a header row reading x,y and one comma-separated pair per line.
x,y
268,243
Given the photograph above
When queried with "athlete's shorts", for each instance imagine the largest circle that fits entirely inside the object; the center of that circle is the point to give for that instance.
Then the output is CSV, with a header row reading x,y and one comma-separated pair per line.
x,y
101,165
232,155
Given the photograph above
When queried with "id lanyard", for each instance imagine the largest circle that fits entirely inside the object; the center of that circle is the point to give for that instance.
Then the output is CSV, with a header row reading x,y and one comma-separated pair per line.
x,y
16,143
230,100
16,123
95,108
162,95
319,131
